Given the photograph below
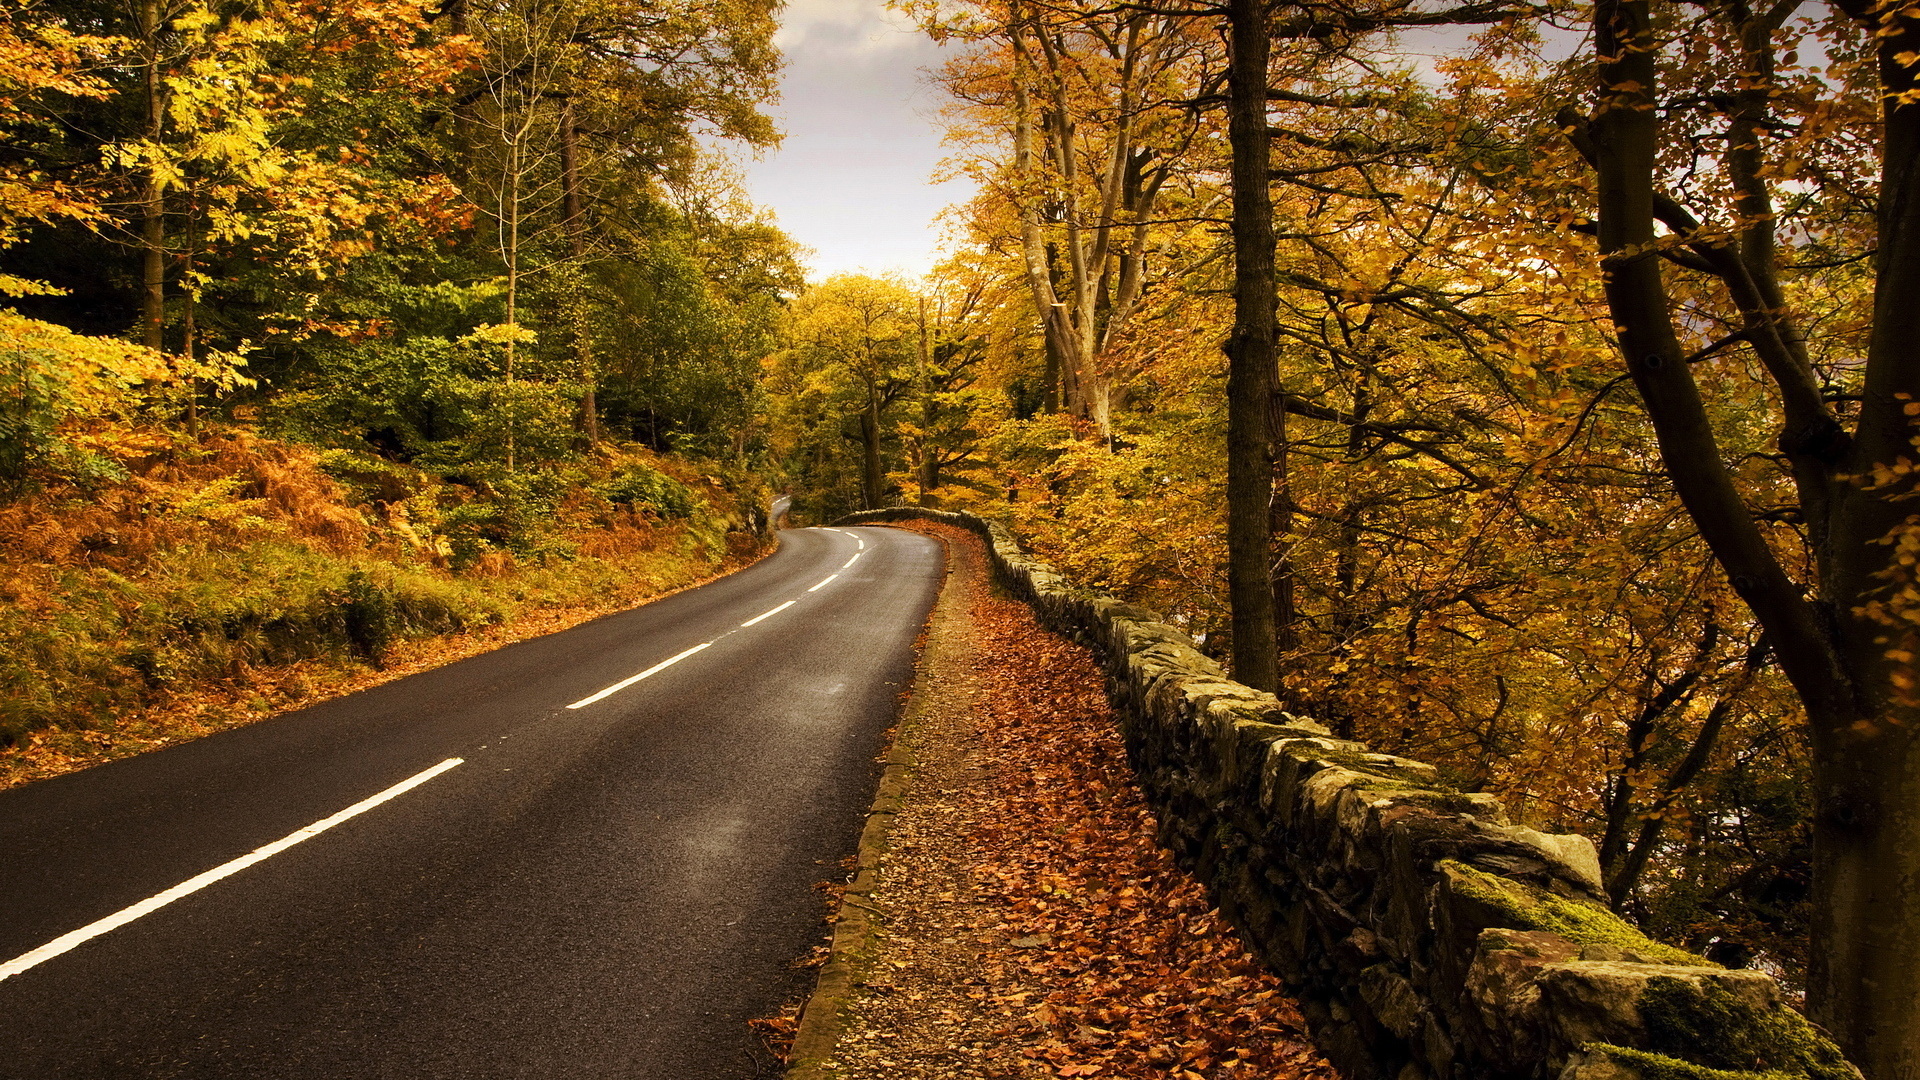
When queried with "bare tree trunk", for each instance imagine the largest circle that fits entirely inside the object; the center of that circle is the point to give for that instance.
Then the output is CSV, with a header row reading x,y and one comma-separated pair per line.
x,y
576,226
1033,248
1083,224
1251,371
153,203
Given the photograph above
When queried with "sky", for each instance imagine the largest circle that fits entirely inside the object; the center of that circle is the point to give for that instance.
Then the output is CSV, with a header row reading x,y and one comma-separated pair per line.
x,y
852,179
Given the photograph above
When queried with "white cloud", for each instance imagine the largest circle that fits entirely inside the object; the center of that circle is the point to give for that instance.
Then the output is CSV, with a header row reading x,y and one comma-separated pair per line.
x,y
844,28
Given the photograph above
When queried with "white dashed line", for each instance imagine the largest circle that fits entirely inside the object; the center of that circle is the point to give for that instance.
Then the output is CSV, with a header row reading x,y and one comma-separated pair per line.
x,y
850,562
816,588
624,683
194,884
769,614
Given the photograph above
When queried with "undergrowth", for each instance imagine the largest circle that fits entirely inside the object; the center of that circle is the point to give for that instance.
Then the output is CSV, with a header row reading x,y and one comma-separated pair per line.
x,y
246,570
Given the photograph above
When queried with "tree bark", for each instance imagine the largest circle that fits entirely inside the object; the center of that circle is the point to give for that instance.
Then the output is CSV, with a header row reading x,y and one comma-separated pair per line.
x,y
1865,977
576,225
1084,203
153,203
1251,372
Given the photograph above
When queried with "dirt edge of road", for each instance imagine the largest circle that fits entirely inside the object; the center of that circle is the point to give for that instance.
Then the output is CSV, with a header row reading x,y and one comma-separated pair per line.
x,y
941,680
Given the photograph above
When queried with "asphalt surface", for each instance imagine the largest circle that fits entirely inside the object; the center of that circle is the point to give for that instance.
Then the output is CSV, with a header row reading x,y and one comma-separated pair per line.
x,y
611,890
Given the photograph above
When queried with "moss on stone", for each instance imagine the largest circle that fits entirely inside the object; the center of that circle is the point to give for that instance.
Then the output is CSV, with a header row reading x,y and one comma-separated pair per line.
x,y
1582,923
1716,1026
1653,1066
1367,762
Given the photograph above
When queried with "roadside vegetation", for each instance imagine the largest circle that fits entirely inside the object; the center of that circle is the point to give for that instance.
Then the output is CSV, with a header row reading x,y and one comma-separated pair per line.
x,y
1522,387
220,582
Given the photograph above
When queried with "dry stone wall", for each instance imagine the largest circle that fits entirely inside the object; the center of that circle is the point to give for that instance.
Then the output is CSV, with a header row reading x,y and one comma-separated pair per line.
x,y
1425,936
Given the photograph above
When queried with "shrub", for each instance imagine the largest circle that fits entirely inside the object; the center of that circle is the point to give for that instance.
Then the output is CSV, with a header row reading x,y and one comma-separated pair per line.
x,y
645,488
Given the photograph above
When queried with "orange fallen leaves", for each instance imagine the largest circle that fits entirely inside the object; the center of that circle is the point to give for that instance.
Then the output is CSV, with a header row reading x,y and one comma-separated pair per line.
x,y
1112,958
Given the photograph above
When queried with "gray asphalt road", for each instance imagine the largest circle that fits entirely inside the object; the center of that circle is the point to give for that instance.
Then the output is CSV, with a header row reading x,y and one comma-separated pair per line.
x,y
610,890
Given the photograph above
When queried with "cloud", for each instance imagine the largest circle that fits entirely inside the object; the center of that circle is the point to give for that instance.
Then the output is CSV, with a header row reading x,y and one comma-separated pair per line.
x,y
844,28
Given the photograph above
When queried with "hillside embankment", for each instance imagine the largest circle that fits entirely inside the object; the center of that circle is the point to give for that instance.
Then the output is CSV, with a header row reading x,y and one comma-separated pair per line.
x,y
217,583
1423,936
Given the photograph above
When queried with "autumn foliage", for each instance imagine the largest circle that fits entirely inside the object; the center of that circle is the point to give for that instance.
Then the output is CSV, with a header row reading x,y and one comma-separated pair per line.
x,y
335,325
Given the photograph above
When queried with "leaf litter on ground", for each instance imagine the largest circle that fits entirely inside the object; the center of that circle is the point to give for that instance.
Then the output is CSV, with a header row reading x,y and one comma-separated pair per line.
x,y
1032,925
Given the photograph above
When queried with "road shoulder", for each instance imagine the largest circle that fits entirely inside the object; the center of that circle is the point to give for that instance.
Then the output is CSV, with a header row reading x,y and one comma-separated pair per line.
x,y
1011,916
940,706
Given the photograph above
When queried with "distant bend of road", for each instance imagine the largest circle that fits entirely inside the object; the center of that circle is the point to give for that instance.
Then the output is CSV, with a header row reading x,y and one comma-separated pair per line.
x,y
588,855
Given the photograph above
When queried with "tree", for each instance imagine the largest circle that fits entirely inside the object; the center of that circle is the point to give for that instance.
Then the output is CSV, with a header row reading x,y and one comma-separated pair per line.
x,y
854,342
43,60
942,433
1842,635
1250,354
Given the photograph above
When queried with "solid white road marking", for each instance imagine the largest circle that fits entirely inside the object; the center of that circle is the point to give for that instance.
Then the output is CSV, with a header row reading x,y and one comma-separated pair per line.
x,y
194,884
849,562
830,577
624,683
769,614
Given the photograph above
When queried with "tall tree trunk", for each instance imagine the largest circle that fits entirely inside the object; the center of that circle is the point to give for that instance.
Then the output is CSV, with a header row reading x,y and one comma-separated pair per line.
x,y
1037,255
1864,973
576,226
153,203
1251,371
872,479
1864,982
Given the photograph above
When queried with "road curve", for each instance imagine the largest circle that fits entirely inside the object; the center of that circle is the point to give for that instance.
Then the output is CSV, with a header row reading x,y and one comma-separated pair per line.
x,y
607,890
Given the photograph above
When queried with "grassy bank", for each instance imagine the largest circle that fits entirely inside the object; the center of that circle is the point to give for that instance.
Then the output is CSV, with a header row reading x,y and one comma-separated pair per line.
x,y
216,584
